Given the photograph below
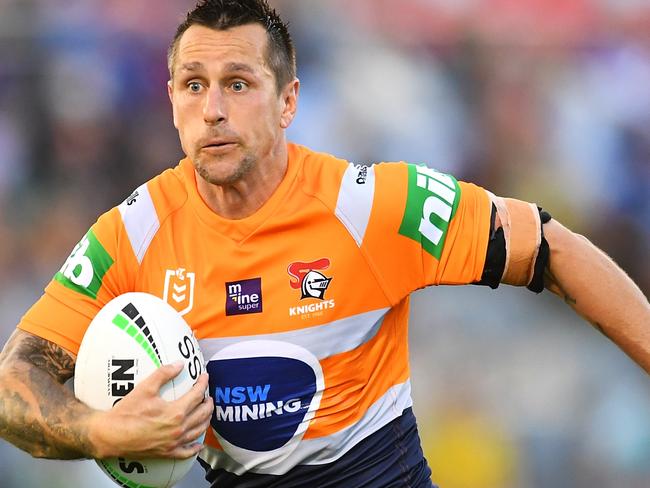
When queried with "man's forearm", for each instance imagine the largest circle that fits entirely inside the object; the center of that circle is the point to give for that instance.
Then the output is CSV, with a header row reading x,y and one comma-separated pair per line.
x,y
596,288
38,413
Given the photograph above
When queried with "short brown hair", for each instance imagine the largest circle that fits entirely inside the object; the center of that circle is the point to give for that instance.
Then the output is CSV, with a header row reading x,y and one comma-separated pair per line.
x,y
224,14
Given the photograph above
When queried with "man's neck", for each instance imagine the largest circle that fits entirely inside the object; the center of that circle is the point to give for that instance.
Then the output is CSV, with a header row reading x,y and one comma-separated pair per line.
x,y
247,195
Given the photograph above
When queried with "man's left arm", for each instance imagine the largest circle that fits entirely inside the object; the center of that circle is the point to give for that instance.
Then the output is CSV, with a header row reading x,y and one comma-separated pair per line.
x,y
598,290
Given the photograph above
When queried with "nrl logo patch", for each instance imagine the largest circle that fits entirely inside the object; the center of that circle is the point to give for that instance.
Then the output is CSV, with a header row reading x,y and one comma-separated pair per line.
x,y
179,289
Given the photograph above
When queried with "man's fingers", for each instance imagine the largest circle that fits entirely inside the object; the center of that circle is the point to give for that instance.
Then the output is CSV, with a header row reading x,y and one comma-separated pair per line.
x,y
200,416
164,374
186,451
195,395
194,433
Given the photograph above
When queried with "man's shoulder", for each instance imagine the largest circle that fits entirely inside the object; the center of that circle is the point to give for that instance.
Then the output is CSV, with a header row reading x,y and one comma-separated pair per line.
x,y
315,161
142,212
317,164
320,173
164,193
169,188
325,174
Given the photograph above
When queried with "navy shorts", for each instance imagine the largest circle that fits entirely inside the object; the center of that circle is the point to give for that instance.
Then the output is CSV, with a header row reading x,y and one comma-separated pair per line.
x,y
389,458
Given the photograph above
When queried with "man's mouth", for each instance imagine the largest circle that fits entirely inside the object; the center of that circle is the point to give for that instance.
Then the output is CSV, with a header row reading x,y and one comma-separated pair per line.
x,y
219,143
219,146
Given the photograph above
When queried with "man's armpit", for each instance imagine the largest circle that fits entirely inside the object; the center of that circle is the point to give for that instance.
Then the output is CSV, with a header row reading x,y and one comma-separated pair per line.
x,y
45,355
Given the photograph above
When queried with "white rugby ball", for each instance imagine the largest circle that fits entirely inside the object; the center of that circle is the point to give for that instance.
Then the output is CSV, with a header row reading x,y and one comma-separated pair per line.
x,y
130,337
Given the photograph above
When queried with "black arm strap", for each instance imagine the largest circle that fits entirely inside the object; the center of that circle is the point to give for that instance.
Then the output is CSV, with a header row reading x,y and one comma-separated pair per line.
x,y
537,283
495,259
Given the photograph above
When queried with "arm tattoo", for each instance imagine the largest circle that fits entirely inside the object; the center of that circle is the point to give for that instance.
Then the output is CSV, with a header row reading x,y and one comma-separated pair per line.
x,y
570,300
37,412
601,329
49,357
551,284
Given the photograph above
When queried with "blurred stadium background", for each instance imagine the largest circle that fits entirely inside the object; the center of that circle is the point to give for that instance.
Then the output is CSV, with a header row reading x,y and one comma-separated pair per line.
x,y
545,100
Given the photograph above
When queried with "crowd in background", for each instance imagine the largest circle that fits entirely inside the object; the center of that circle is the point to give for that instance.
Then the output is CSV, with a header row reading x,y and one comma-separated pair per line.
x,y
543,100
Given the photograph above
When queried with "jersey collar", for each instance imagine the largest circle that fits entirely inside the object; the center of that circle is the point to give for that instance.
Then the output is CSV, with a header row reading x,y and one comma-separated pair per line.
x,y
239,230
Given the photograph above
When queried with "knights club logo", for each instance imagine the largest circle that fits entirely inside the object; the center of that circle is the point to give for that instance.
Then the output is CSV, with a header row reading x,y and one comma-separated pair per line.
x,y
179,289
308,278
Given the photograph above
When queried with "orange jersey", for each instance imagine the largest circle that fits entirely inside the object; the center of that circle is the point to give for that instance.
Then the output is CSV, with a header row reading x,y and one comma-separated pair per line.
x,y
301,309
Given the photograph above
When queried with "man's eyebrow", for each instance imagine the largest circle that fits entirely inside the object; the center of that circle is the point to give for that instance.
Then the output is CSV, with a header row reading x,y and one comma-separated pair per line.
x,y
230,67
235,67
193,66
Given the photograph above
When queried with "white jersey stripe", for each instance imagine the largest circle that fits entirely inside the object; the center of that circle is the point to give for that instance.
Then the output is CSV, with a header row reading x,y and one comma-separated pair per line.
x,y
322,340
355,199
326,449
140,220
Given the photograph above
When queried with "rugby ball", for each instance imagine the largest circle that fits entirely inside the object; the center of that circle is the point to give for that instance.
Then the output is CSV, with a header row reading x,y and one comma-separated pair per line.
x,y
130,337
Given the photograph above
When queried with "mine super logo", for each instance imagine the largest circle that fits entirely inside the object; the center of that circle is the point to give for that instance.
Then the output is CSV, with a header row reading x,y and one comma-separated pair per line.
x,y
244,296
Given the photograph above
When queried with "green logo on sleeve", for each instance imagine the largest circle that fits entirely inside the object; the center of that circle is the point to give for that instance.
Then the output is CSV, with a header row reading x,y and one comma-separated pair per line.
x,y
431,203
84,270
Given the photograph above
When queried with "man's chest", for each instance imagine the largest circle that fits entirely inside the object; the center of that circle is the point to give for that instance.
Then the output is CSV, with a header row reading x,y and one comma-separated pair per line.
x,y
278,280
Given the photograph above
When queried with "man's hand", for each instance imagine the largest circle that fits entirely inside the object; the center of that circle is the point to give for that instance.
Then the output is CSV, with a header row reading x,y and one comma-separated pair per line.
x,y
41,416
143,425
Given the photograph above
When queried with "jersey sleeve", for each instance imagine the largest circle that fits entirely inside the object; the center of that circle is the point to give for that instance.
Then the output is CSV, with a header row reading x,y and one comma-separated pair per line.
x,y
425,228
100,267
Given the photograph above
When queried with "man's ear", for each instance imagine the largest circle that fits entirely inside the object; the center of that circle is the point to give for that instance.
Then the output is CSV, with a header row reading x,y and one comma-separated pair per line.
x,y
290,103
170,93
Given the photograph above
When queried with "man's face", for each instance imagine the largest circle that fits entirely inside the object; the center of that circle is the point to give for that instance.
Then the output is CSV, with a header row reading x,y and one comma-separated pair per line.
x,y
227,110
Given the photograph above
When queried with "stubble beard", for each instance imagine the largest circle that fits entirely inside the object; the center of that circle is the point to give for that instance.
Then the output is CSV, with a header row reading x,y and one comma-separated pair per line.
x,y
246,164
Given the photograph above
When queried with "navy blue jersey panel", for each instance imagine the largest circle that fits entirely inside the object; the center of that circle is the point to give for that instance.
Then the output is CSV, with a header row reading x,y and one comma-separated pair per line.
x,y
389,458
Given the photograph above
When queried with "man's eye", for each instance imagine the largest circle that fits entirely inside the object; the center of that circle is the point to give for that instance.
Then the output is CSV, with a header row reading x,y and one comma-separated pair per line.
x,y
238,86
194,86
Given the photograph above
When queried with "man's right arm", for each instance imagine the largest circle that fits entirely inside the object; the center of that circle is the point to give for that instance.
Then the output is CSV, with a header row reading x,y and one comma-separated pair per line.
x,y
38,413
41,416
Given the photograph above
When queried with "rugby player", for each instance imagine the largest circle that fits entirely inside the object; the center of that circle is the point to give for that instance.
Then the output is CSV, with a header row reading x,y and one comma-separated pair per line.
x,y
294,270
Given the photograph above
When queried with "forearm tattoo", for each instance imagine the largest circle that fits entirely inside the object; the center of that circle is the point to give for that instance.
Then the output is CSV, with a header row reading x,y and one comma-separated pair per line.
x,y
47,356
37,412
569,300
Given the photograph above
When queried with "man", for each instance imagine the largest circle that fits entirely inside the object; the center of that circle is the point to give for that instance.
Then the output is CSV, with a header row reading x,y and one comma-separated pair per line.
x,y
297,268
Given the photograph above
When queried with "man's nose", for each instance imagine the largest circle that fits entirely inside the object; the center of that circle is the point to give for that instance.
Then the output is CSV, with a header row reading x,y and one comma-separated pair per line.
x,y
214,109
